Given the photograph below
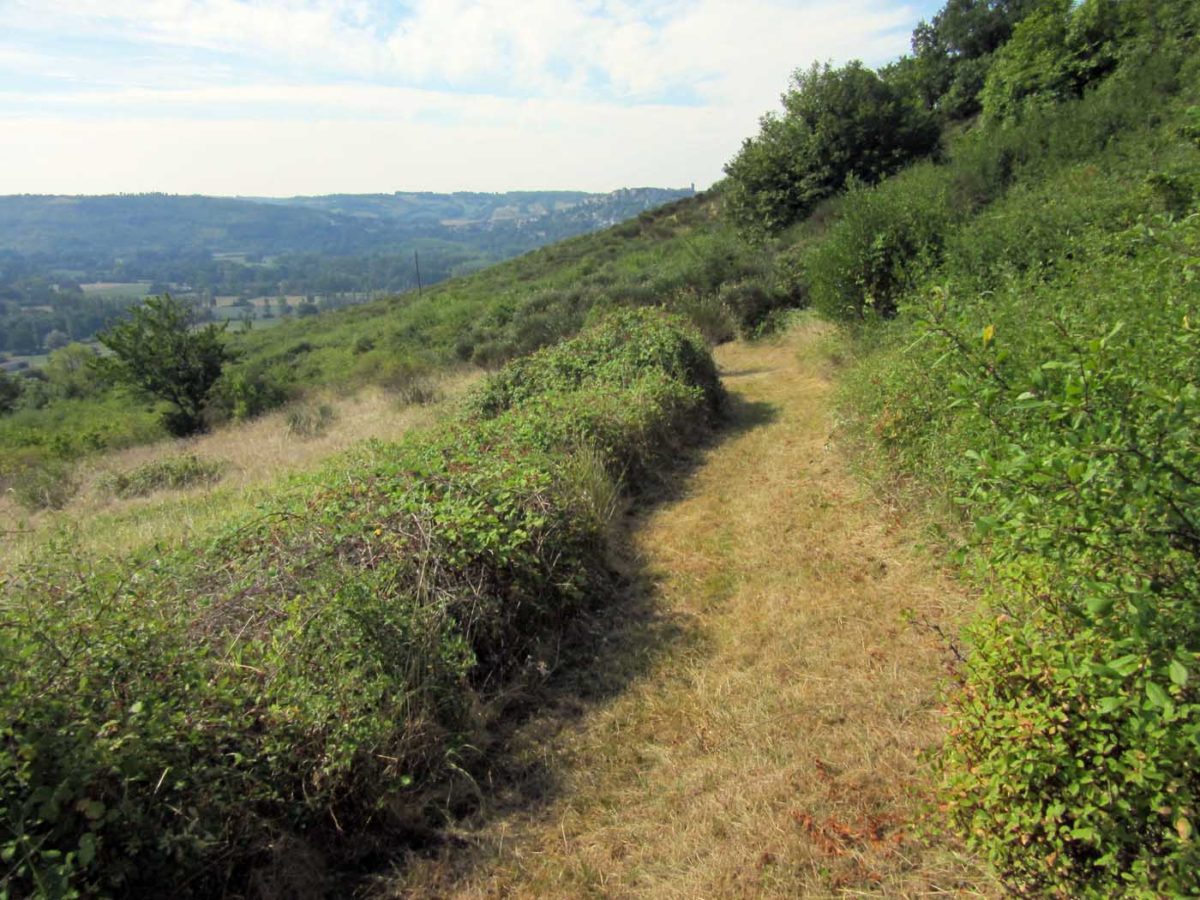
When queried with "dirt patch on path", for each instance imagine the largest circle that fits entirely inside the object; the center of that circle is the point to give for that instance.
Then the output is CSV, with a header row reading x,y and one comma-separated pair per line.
x,y
772,750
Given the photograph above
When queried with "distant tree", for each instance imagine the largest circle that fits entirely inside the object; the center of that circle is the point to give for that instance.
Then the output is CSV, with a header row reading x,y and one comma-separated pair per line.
x,y
10,392
307,308
158,353
55,339
70,372
22,337
837,124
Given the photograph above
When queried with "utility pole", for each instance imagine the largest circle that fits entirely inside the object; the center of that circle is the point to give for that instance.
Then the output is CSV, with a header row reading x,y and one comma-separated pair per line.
x,y
417,263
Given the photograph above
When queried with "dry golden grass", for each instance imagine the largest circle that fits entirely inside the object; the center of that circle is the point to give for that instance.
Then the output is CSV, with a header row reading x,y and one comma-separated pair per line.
x,y
768,746
254,454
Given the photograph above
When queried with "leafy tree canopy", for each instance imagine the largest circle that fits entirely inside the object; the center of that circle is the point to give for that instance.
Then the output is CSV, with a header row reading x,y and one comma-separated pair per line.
x,y
1063,47
953,52
837,124
159,353
69,370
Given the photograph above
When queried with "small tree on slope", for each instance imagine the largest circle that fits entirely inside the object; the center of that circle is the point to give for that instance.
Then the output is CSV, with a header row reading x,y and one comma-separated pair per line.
x,y
159,353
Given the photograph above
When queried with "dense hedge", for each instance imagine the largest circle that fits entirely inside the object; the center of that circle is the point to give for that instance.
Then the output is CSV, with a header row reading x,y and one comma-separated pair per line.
x,y
1041,374
204,718
1072,759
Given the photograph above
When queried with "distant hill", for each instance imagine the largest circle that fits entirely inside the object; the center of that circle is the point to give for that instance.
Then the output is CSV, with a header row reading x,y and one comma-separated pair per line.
x,y
75,228
70,264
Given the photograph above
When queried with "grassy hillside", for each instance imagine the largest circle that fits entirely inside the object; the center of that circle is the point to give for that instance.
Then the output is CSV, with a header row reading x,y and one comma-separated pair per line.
x,y
1020,306
681,255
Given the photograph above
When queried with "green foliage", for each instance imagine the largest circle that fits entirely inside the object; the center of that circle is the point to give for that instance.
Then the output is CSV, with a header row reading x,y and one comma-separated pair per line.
x,y
1081,481
1041,376
70,371
10,392
619,350
1054,54
707,313
55,340
171,473
1076,762
158,353
953,53
68,428
749,304
307,420
242,393
320,675
837,124
43,484
1007,199
882,242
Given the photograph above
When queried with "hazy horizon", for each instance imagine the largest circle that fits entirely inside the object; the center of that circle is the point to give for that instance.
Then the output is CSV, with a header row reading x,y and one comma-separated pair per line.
x,y
536,190
283,98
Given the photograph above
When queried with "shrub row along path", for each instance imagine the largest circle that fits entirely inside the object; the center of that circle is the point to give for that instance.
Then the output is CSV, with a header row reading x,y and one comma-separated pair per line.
x,y
767,709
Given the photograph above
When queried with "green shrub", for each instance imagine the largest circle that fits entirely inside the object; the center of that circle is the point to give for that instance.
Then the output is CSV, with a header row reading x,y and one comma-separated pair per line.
x,y
707,313
885,238
491,354
308,420
243,393
838,124
1041,377
1071,761
10,392
1037,226
623,346
749,304
307,677
171,473
1062,410
1176,192
49,483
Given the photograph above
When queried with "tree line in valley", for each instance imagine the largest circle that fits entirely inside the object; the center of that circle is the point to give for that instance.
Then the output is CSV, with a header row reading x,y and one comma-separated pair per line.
x,y
70,265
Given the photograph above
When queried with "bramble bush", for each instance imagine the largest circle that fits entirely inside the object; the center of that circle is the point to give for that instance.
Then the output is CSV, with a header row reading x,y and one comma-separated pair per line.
x,y
883,241
300,683
171,473
1072,758
1063,410
1041,374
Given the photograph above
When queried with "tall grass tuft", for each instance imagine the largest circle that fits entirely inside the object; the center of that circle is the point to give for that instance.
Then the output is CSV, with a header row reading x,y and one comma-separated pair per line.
x,y
168,474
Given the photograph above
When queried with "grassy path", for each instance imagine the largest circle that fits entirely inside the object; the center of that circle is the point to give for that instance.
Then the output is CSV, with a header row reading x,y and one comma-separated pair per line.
x,y
761,731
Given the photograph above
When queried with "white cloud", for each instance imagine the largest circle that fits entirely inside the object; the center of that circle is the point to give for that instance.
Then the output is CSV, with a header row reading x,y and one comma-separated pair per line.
x,y
540,46
574,92
553,148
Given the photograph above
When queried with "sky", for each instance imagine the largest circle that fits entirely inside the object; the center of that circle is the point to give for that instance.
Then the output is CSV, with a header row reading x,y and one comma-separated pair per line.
x,y
291,97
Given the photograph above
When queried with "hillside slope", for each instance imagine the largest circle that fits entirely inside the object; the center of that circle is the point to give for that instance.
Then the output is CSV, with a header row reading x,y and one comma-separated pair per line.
x,y
767,743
